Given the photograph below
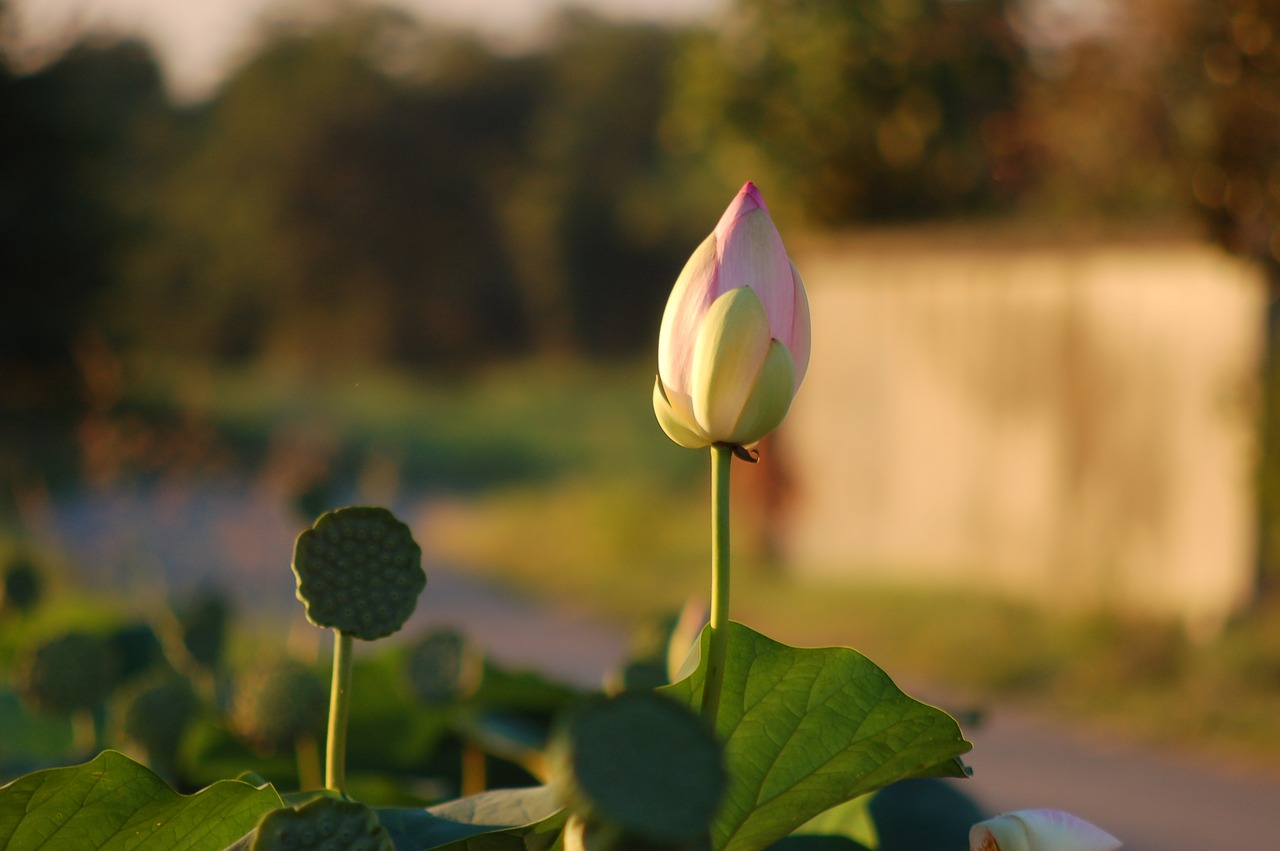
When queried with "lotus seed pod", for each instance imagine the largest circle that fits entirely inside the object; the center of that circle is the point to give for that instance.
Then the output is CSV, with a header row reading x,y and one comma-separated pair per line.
x,y
359,571
443,667
204,629
157,715
582,835
138,649
69,673
20,590
609,754
276,704
323,824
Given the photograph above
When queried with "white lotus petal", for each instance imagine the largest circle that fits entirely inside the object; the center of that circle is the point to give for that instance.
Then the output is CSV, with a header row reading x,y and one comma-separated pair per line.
x,y
1039,830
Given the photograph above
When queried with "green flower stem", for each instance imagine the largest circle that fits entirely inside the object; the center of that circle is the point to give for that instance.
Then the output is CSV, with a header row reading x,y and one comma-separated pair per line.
x,y
307,752
84,732
335,769
474,779
721,456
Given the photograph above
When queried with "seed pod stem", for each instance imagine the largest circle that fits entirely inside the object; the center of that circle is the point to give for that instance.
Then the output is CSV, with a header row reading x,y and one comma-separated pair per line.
x,y
339,710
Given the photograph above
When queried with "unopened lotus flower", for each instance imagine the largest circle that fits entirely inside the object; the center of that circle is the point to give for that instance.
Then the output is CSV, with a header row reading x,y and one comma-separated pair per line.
x,y
734,343
1039,830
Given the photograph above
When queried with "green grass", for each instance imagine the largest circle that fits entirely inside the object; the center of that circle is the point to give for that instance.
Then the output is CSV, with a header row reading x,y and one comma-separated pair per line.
x,y
522,423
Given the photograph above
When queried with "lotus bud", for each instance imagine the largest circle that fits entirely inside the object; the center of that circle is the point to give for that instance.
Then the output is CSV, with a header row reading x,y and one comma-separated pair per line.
x,y
1039,830
734,342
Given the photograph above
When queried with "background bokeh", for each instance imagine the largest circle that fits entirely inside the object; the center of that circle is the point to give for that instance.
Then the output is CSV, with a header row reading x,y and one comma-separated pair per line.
x,y
380,253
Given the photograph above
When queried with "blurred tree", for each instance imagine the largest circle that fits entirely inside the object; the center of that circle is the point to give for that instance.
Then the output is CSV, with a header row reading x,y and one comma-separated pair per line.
x,y
1106,110
883,109
395,205
74,142
598,238
222,257
1235,47
339,202
369,189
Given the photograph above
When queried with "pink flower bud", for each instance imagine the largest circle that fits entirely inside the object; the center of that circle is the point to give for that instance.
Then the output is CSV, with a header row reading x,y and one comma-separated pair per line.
x,y
734,343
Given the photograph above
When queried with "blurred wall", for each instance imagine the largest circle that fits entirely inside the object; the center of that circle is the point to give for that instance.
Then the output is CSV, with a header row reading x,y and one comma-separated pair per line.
x,y
1072,423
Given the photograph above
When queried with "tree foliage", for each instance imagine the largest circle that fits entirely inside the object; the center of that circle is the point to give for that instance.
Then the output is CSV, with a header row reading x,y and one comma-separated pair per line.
x,y
374,189
75,144
1237,180
369,187
884,109
331,210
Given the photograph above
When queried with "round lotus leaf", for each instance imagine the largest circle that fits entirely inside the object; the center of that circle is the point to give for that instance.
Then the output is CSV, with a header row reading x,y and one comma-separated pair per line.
x,y
74,671
275,704
21,585
322,824
642,764
443,666
359,571
156,715
138,649
205,622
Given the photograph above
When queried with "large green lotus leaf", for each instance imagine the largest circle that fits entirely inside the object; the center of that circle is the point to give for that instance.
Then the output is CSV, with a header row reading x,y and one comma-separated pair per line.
x,y
806,729
497,820
113,802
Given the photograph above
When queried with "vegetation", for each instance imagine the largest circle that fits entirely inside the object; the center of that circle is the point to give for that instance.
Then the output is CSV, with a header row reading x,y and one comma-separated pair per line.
x,y
635,764
368,197
366,187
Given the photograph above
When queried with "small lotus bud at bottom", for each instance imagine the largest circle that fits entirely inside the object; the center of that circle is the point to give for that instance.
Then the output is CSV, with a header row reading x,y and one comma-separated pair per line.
x,y
1039,830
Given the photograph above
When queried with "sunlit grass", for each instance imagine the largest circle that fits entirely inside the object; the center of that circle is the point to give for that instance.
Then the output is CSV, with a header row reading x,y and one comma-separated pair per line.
x,y
526,422
629,549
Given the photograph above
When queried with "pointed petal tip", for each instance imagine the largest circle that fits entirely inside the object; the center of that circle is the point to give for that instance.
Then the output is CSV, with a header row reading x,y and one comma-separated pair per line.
x,y
751,192
747,200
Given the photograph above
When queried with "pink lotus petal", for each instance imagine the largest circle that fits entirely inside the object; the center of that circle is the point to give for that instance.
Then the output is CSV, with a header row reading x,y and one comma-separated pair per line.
x,y
744,251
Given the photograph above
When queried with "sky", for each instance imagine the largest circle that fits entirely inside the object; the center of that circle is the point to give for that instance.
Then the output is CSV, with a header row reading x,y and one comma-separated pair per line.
x,y
199,40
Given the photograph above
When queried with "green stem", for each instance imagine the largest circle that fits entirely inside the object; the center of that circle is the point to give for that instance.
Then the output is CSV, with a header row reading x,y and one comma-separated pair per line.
x,y
307,754
721,456
335,768
473,778
84,732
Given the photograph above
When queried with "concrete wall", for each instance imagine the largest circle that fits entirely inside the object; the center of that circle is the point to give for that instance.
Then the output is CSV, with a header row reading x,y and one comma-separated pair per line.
x,y
1068,423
